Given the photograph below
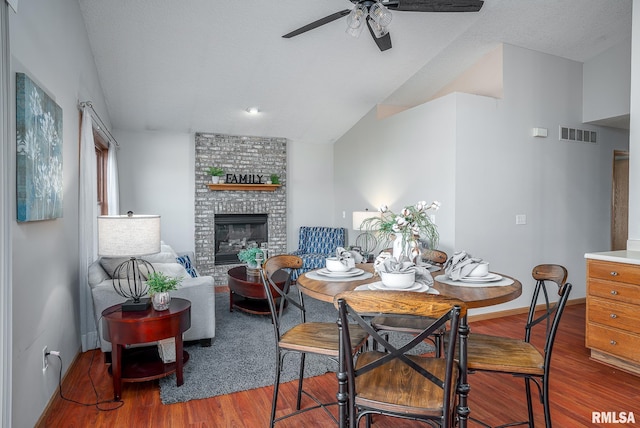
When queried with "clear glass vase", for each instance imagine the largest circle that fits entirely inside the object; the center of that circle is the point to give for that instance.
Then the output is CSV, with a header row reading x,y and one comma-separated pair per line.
x,y
405,248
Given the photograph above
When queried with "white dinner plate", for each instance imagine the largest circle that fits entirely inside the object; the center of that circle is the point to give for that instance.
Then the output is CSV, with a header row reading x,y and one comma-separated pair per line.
x,y
491,277
417,287
347,274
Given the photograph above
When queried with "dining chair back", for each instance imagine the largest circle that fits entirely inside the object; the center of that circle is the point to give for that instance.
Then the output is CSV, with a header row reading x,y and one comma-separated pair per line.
x,y
435,257
302,338
415,325
397,382
521,358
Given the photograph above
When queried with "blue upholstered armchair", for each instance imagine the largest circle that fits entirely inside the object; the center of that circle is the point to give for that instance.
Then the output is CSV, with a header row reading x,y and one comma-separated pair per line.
x,y
317,243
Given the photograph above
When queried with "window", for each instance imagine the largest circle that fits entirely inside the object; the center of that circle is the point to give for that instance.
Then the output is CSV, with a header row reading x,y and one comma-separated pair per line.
x,y
102,152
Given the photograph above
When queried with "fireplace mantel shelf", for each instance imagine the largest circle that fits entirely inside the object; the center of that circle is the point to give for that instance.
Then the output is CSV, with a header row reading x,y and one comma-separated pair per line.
x,y
227,186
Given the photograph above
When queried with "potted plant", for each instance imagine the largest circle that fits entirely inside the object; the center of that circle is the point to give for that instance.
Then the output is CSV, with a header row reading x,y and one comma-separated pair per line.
x,y
215,173
159,286
274,179
253,257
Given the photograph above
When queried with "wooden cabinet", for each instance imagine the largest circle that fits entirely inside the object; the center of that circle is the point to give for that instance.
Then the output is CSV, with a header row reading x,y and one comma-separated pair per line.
x,y
613,314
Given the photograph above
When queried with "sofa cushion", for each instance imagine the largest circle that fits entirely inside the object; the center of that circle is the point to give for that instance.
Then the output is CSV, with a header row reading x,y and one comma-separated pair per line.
x,y
185,261
161,257
97,274
109,264
170,269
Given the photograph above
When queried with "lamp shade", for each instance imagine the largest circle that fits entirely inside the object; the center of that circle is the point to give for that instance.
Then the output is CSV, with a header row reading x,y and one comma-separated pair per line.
x,y
128,235
360,216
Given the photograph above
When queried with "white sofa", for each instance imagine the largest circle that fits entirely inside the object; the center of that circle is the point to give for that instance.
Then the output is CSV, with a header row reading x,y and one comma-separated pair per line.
x,y
198,290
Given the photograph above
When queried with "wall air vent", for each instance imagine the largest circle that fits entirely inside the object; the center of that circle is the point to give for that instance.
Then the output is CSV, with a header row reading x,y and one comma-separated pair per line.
x,y
580,135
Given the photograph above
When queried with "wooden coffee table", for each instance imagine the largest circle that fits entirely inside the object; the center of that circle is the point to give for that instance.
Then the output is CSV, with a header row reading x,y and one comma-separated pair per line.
x,y
246,292
142,364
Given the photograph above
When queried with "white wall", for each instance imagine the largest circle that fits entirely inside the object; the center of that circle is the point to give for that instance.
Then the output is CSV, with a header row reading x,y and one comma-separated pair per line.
x,y
399,161
309,188
634,134
486,167
157,176
49,43
156,173
607,83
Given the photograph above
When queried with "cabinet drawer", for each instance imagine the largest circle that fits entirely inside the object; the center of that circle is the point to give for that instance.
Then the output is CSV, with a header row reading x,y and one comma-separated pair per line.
x,y
614,290
619,272
613,314
613,341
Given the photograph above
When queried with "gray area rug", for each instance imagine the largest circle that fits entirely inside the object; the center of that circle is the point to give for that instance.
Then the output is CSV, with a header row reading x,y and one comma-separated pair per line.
x,y
242,355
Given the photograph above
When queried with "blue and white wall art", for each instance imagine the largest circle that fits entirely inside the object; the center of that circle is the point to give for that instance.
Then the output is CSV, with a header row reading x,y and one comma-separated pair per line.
x,y
39,153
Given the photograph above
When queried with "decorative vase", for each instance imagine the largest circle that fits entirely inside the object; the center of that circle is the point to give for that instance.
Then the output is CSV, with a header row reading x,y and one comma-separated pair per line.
x,y
160,301
215,179
252,269
405,248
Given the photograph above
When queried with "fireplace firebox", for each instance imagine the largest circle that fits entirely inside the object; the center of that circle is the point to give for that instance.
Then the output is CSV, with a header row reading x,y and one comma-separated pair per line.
x,y
234,232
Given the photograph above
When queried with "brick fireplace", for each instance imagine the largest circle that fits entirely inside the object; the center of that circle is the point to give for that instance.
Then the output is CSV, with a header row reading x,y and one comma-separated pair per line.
x,y
239,155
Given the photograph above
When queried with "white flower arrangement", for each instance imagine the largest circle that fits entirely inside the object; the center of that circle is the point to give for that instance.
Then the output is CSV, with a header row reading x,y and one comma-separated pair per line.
x,y
412,223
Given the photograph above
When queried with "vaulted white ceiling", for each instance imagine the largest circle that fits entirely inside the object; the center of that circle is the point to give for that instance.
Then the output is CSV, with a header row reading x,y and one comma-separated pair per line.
x,y
191,66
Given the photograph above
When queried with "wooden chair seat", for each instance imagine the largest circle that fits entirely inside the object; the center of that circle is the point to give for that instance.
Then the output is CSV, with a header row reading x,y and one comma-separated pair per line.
x,y
389,387
319,338
503,354
401,324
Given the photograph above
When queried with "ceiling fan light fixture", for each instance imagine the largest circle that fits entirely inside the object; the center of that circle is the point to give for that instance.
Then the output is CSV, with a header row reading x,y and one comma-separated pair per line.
x,y
355,20
380,14
378,30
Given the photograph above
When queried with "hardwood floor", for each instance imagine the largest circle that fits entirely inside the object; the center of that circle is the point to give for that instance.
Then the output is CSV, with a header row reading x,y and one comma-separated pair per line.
x,y
579,387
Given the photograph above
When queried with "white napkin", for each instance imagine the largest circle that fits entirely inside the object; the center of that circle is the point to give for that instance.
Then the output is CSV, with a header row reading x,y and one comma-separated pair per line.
x,y
460,264
355,255
345,257
385,262
384,255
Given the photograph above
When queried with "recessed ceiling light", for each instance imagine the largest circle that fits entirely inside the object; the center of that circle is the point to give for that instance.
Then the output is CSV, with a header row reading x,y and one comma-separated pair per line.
x,y
253,110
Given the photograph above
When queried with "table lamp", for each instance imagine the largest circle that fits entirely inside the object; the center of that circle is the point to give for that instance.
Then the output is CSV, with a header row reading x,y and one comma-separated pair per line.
x,y
365,240
130,236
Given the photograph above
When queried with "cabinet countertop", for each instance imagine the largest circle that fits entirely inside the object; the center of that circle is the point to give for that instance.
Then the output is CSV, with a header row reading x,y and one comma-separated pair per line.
x,y
621,256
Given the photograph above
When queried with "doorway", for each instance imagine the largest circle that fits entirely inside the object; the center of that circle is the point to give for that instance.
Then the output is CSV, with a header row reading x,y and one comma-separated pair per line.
x,y
620,201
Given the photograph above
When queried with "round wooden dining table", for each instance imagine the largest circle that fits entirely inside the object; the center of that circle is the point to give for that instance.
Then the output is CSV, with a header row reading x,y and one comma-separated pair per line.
x,y
476,296
473,297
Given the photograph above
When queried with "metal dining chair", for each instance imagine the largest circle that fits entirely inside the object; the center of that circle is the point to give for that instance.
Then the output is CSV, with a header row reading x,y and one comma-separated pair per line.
x,y
520,358
303,338
397,382
415,325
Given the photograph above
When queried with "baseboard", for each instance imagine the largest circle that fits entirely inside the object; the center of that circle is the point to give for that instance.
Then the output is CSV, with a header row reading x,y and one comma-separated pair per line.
x,y
518,311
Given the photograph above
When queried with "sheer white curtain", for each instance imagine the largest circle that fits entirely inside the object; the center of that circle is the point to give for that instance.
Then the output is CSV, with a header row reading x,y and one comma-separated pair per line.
x,y
113,189
88,219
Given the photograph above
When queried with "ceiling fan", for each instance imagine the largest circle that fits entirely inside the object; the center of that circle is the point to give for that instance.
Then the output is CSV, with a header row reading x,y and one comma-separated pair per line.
x,y
377,15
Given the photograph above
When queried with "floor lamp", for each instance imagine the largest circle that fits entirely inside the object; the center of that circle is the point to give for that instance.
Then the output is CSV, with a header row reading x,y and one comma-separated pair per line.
x,y
130,236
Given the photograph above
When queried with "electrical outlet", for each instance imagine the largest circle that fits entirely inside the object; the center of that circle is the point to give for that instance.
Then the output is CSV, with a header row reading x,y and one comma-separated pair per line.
x,y
45,361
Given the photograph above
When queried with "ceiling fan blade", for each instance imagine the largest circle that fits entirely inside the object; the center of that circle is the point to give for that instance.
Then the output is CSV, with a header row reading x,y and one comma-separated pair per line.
x,y
435,5
383,42
318,23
